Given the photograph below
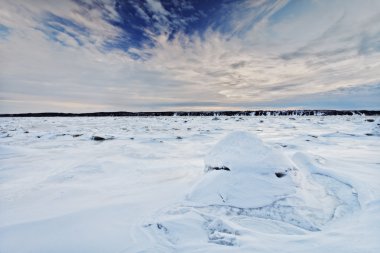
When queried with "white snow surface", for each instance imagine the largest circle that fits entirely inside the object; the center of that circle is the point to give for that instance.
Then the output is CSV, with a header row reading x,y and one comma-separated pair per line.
x,y
190,184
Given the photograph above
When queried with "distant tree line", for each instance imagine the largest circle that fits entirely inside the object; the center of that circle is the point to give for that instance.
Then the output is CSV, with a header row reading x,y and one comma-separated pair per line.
x,y
203,113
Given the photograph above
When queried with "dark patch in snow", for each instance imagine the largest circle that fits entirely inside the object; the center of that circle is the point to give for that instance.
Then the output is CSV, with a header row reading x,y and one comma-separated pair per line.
x,y
209,168
97,138
162,227
220,195
280,174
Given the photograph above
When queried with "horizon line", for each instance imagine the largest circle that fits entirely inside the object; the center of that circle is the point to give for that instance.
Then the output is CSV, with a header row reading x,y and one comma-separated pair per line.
x,y
261,112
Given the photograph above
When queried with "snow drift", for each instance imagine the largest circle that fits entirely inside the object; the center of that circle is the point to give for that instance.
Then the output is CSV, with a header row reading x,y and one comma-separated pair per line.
x,y
261,181
246,179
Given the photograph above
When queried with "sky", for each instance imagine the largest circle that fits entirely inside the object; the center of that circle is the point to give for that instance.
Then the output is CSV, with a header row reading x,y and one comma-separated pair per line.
x,y
151,55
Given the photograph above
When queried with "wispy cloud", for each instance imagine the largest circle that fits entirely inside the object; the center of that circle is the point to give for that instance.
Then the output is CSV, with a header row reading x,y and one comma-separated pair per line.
x,y
151,55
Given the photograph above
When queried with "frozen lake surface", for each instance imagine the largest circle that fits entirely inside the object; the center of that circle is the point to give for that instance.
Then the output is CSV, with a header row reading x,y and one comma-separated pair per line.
x,y
190,184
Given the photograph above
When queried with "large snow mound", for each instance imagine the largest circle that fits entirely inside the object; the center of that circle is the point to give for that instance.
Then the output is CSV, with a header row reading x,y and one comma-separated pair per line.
x,y
242,171
246,180
241,151
261,181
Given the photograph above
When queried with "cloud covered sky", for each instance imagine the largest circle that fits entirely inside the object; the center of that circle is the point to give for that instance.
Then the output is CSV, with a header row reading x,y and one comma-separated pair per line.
x,y
150,55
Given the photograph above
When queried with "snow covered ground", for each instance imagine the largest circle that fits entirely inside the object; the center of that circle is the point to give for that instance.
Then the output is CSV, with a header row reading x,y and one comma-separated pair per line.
x,y
190,184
